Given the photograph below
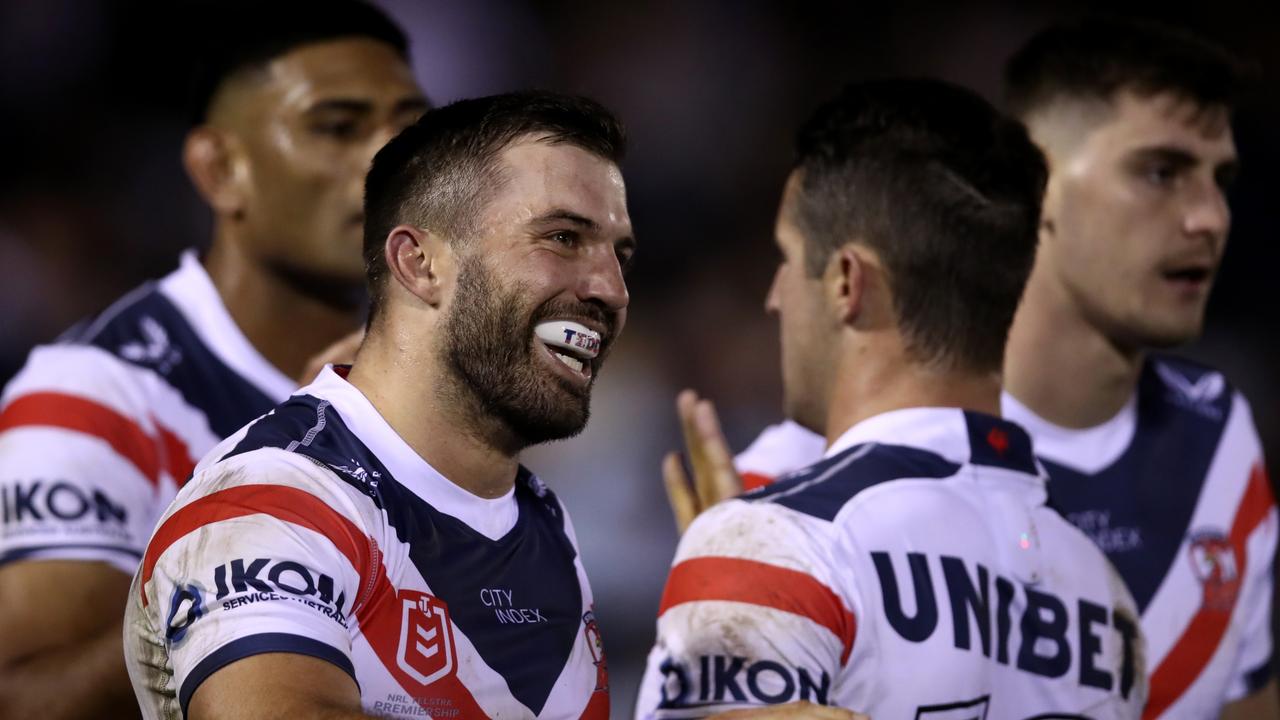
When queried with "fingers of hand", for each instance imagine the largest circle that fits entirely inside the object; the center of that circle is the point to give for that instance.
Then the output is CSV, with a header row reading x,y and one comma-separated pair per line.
x,y
684,504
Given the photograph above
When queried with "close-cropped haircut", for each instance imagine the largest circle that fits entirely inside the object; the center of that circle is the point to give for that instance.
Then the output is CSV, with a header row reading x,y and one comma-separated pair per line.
x,y
243,35
438,173
945,190
1095,58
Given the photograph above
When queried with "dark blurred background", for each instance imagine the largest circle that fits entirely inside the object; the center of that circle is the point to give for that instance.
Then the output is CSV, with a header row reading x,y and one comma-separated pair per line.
x,y
93,199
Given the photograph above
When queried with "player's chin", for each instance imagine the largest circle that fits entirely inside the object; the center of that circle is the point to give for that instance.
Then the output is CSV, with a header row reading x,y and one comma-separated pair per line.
x,y
559,421
1170,331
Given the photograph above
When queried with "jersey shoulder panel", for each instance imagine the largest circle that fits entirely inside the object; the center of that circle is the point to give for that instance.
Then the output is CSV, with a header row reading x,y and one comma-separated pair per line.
x,y
146,330
824,488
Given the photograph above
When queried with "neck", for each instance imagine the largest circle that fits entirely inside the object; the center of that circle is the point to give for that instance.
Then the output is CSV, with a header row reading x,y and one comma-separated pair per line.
x,y
1063,368
868,385
286,325
441,427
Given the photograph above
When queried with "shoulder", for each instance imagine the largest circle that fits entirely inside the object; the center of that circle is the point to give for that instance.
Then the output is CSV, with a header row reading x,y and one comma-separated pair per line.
x,y
311,433
824,488
780,449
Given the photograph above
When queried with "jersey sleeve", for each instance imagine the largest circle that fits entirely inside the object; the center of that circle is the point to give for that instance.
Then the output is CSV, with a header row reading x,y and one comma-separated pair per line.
x,y
780,449
80,460
750,616
1256,516
262,553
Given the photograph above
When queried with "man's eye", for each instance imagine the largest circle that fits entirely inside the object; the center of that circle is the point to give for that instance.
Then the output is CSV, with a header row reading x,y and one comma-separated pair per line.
x,y
626,257
565,237
338,129
1161,175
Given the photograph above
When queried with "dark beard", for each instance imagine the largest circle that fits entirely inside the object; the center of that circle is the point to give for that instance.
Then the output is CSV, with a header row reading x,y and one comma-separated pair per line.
x,y
489,346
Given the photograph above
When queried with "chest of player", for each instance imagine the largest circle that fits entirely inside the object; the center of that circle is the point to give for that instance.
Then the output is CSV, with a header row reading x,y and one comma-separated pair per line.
x,y
469,626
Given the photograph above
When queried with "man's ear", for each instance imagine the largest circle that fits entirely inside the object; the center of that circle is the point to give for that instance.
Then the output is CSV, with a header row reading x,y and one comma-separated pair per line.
x,y
217,169
846,281
420,261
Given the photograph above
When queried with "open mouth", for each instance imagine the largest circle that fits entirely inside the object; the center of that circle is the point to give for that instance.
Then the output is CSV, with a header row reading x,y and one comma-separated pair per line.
x,y
1194,275
573,344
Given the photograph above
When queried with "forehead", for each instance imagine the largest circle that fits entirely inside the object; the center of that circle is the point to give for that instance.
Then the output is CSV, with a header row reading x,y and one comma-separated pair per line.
x,y
1165,120
787,227
538,177
350,68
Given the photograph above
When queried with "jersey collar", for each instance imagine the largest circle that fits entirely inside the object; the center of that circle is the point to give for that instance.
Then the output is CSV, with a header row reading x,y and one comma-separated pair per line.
x,y
191,290
492,518
960,436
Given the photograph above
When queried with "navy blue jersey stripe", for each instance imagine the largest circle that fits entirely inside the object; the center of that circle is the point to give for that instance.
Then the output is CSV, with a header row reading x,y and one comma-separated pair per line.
x,y
1258,677
995,442
257,645
146,330
25,552
516,598
1138,509
822,489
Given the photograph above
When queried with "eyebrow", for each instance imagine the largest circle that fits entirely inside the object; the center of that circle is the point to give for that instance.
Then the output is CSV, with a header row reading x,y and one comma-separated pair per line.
x,y
581,221
366,106
573,217
1181,158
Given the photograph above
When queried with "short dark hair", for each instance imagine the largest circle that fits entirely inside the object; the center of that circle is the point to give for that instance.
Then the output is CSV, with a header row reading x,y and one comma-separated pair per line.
x,y
1097,57
244,35
438,172
945,190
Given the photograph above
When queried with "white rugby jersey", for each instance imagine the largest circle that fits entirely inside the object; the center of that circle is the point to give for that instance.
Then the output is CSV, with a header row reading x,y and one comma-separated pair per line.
x,y
317,530
914,572
98,430
1175,491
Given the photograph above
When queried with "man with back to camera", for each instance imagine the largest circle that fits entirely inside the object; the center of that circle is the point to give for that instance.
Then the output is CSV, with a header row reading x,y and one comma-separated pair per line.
x,y
98,430
915,570
1156,458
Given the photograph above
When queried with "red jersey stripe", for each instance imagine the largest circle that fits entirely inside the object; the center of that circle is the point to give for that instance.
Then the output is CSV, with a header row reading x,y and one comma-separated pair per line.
x,y
752,481
757,583
178,461
1200,639
71,412
282,502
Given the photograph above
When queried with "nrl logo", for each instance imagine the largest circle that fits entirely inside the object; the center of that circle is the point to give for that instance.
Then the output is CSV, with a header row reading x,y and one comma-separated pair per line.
x,y
425,651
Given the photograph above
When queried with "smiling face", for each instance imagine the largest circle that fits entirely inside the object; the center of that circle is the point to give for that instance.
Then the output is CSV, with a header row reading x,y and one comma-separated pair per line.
x,y
553,242
305,127
1135,217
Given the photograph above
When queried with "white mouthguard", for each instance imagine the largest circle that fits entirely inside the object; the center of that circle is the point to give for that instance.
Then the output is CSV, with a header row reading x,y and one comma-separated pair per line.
x,y
571,336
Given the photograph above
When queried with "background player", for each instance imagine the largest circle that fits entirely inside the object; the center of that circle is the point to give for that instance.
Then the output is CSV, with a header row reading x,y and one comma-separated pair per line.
x,y
1155,458
97,431
907,231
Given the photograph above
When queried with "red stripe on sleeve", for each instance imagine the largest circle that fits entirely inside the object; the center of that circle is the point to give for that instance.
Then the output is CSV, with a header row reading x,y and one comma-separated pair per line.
x,y
178,460
752,481
1200,639
757,583
284,503
69,412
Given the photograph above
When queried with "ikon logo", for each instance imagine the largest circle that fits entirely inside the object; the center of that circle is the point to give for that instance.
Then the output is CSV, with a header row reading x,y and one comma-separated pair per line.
x,y
426,650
